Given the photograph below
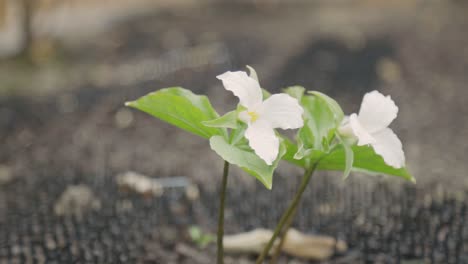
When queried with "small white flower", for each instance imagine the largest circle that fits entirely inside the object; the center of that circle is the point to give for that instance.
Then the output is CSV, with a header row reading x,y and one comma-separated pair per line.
x,y
261,117
370,126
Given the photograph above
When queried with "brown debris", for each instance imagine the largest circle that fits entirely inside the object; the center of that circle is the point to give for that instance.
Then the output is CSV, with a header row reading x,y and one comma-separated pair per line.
x,y
297,244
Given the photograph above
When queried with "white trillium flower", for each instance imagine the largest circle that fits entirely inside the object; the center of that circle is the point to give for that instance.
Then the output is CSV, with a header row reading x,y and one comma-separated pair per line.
x,y
262,117
370,127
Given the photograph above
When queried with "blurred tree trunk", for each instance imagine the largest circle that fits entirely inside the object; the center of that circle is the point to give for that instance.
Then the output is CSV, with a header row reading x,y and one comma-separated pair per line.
x,y
26,24
2,13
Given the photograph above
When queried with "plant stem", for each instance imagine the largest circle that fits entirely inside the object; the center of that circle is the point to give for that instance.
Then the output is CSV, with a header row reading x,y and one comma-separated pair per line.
x,y
281,237
288,213
220,254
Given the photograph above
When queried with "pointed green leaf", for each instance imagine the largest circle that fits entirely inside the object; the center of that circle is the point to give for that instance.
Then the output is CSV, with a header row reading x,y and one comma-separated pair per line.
x,y
246,159
349,160
229,120
265,94
322,116
295,91
365,160
332,105
181,108
319,124
291,150
253,73
237,135
349,157
305,140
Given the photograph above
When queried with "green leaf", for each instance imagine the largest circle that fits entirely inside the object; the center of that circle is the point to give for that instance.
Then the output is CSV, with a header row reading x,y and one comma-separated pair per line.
x,y
229,120
365,160
181,108
253,73
291,150
265,94
200,238
246,159
195,233
319,124
305,141
295,91
349,160
349,157
237,135
322,116
332,105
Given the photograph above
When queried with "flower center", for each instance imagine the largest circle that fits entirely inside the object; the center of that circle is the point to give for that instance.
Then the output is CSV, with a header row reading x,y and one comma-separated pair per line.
x,y
253,116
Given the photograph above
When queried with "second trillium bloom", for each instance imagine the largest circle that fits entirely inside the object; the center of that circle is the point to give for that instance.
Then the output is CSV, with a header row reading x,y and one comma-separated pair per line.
x,y
370,127
262,117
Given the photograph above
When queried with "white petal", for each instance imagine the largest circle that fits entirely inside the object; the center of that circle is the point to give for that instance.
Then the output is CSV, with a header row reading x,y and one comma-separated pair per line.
x,y
389,147
244,87
282,111
263,141
363,137
377,111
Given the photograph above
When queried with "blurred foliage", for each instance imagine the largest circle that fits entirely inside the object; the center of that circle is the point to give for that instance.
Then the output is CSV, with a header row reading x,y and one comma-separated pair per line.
x,y
200,238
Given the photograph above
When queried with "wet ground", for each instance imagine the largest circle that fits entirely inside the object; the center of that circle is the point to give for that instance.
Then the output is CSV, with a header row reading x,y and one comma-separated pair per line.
x,y
63,123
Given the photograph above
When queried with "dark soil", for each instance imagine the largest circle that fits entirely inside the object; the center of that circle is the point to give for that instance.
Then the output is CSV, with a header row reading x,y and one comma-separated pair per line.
x,y
73,136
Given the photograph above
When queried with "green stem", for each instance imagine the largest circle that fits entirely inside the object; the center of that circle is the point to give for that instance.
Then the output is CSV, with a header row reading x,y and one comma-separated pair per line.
x,y
288,213
281,237
220,255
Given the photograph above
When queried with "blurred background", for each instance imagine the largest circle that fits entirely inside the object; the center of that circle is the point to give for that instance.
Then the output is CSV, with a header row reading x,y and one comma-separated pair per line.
x,y
68,143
